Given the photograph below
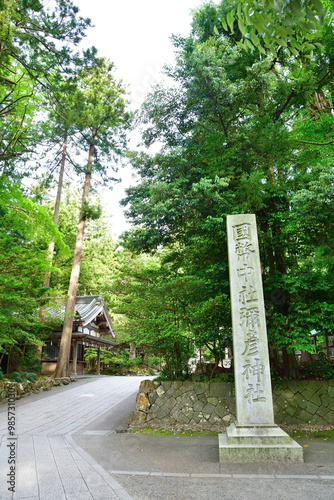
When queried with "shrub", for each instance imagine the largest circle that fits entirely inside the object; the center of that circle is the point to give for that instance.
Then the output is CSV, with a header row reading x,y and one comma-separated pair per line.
x,y
321,368
23,377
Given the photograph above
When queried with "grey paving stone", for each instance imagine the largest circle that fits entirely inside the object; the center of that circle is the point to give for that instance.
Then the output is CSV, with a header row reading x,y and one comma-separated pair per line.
x,y
45,462
82,495
26,498
50,487
104,494
74,484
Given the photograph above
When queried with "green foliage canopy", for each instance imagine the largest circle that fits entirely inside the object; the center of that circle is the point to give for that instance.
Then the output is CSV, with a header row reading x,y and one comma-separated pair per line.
x,y
244,131
24,237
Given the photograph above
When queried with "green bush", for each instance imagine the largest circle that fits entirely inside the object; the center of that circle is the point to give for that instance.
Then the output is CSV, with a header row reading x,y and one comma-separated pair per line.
x,y
23,377
321,368
15,376
29,376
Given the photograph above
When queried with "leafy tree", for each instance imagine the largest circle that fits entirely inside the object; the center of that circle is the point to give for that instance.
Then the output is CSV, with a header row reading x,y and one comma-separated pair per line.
x,y
283,25
243,132
151,297
37,39
102,121
25,230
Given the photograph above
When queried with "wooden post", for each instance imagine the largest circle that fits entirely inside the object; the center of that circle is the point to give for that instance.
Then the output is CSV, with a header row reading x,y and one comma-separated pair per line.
x,y
75,357
98,362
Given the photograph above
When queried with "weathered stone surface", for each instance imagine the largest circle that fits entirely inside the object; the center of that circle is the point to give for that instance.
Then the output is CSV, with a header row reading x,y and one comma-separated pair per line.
x,y
290,410
325,399
301,401
220,390
161,413
208,409
203,399
280,403
311,408
221,410
228,418
287,394
19,389
312,386
138,418
199,387
305,416
198,406
196,417
165,408
170,392
259,454
331,390
146,386
188,412
330,417
197,403
213,401
322,411
186,400
152,396
254,436
25,388
142,402
160,390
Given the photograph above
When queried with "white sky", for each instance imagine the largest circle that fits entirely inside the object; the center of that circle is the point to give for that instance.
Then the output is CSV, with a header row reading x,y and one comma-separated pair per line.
x,y
135,35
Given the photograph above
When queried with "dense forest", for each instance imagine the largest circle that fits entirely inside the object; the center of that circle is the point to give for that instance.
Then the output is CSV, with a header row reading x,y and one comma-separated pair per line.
x,y
243,123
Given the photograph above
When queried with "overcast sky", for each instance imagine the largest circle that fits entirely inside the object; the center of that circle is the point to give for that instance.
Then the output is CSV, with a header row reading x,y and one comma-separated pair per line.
x,y
135,35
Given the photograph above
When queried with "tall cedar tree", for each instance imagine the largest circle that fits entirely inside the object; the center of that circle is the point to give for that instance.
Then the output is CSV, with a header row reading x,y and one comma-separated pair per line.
x,y
37,41
102,120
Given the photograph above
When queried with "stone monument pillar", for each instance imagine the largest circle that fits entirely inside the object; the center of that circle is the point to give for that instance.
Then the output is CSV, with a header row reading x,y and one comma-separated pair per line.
x,y
254,437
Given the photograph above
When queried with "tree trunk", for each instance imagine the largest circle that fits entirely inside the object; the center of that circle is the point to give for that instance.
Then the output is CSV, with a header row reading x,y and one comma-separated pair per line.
x,y
47,276
215,366
63,362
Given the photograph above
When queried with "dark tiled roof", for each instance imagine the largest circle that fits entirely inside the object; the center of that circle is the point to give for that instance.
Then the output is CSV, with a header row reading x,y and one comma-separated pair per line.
x,y
87,308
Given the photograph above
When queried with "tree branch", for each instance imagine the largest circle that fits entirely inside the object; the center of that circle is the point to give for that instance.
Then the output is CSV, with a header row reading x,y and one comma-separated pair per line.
x,y
326,74
317,143
278,112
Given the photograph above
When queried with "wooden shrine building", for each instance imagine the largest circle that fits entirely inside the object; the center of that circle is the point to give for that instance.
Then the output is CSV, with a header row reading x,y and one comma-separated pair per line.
x,y
91,322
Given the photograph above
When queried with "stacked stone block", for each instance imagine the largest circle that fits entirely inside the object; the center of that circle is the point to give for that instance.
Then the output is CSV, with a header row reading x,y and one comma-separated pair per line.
x,y
211,404
25,388
308,401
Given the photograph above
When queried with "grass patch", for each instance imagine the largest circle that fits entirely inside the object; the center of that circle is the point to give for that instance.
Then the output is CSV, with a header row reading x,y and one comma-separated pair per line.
x,y
326,434
169,432
295,433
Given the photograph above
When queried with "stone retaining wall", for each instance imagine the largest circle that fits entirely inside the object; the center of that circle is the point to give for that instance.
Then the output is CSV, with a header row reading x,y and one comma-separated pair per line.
x,y
208,404
25,388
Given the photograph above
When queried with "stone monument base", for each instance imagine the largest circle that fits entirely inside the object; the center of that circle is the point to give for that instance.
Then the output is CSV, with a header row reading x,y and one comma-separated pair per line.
x,y
260,443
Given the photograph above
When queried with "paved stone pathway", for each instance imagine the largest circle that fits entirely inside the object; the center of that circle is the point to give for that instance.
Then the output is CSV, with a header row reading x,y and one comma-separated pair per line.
x,y
66,448
49,464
